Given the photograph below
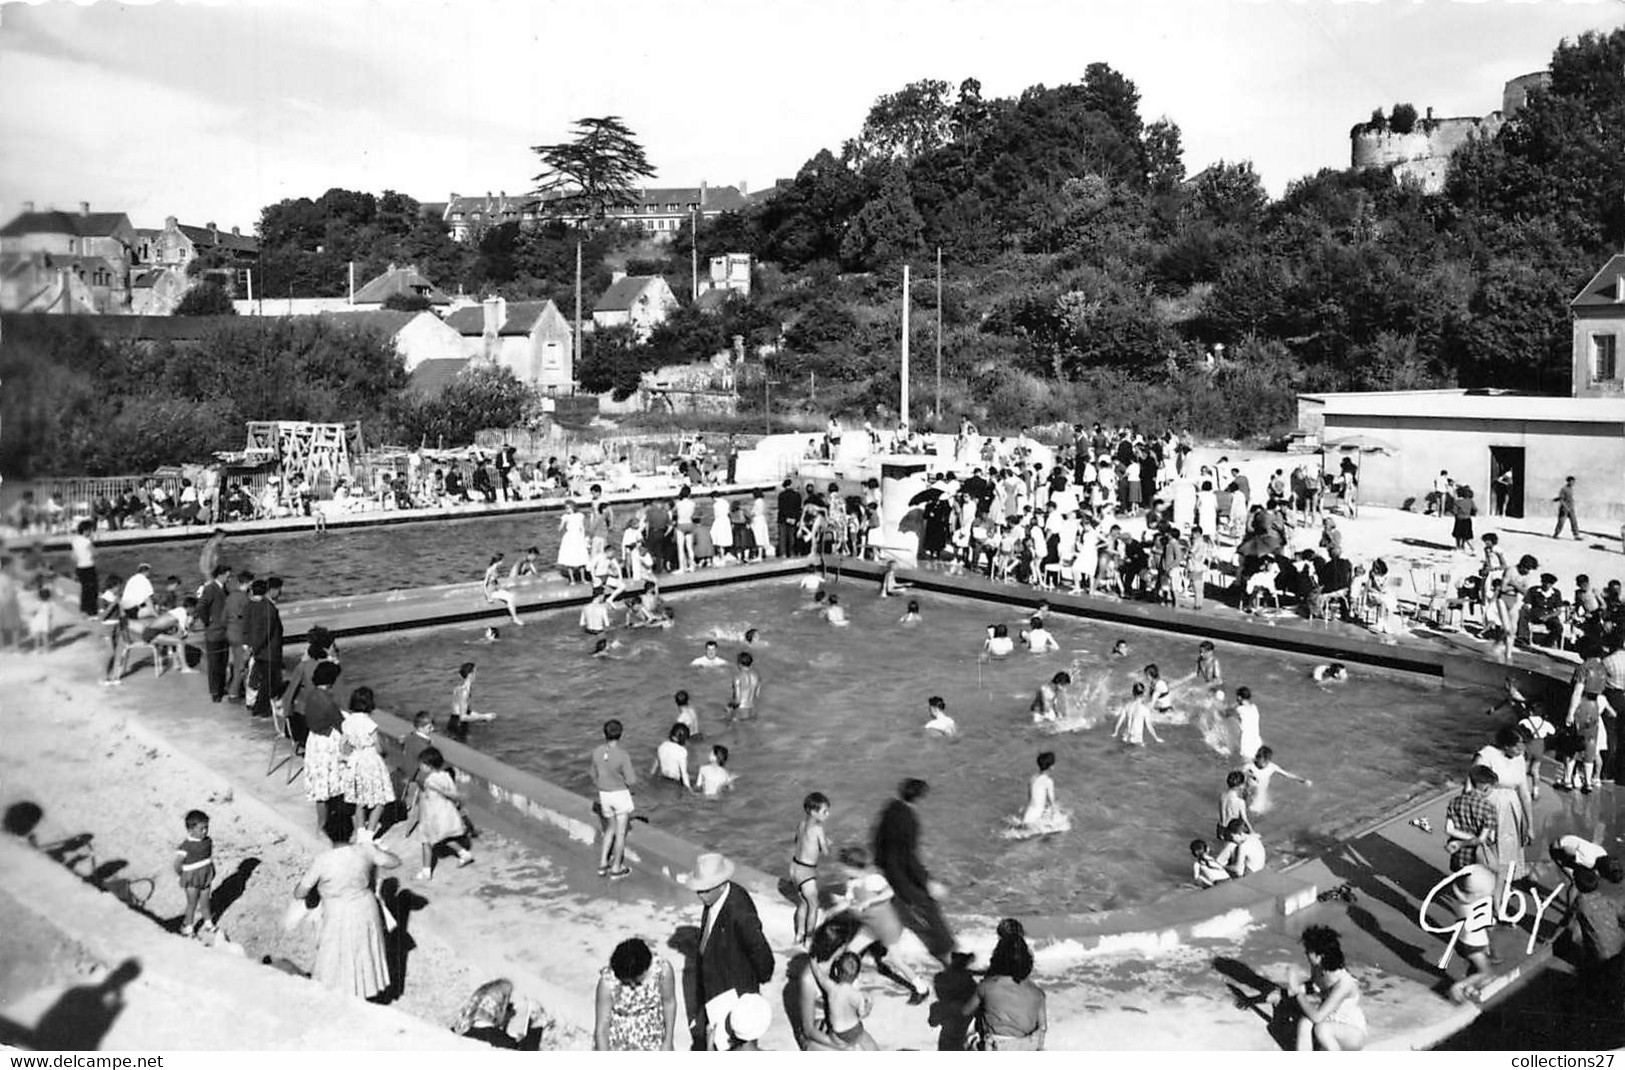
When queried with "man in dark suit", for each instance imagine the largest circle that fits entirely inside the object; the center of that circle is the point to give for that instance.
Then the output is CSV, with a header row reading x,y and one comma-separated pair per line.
x,y
211,610
789,517
897,854
262,634
734,958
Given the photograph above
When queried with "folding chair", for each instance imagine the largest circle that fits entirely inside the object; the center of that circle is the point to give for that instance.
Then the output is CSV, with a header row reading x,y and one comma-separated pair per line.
x,y
157,658
283,730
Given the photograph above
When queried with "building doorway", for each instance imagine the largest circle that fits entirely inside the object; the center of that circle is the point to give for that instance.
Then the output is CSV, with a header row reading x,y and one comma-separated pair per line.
x,y
1506,481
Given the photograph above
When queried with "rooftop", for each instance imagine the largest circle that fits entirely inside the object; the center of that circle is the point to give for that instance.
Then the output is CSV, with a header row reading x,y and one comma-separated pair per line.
x,y
619,297
400,280
79,224
431,377
1465,405
1604,287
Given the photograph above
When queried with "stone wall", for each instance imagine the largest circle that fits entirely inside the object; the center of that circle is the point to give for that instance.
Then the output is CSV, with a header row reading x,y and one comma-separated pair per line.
x,y
1424,153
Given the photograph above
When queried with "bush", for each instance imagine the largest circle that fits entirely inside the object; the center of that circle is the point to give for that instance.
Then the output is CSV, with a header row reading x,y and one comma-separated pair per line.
x,y
407,303
1403,119
480,398
207,298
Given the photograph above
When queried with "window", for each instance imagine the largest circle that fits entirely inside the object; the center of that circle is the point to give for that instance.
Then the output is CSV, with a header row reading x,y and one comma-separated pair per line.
x,y
1604,357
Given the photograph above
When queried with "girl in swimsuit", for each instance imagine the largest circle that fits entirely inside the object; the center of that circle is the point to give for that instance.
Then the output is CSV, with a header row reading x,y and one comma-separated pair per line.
x,y
492,586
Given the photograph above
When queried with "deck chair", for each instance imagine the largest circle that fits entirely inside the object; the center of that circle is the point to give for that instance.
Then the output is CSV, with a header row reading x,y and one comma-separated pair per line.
x,y
157,657
283,735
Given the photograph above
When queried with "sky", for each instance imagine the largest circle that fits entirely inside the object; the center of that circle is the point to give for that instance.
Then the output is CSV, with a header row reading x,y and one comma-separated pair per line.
x,y
210,112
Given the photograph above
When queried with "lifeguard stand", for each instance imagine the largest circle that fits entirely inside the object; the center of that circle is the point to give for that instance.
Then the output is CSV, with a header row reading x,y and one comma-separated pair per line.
x,y
309,449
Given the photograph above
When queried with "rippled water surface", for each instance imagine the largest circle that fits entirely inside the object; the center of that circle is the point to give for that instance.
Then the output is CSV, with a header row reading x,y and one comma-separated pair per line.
x,y
358,560
842,711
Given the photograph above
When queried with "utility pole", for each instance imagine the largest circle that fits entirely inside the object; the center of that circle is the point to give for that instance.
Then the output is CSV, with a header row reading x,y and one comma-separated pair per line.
x,y
939,335
905,345
579,356
694,253
250,273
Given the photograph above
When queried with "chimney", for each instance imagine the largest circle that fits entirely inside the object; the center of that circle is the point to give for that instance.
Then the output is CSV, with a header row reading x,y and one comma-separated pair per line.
x,y
169,222
1430,114
702,193
496,314
84,207
214,232
616,276
744,190
235,233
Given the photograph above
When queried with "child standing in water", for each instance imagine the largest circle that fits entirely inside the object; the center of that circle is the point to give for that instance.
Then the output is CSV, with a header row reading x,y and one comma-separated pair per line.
x,y
808,851
747,688
1161,699
1050,702
194,865
714,777
462,699
1135,720
1259,772
1040,794
686,715
1233,803
910,615
671,758
1038,638
940,722
1246,715
1207,664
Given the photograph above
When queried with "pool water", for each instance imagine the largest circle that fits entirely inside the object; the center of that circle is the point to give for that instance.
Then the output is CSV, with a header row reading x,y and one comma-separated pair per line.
x,y
354,561
842,713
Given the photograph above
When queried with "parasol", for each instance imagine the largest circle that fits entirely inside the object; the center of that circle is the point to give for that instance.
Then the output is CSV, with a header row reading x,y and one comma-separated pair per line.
x,y
929,494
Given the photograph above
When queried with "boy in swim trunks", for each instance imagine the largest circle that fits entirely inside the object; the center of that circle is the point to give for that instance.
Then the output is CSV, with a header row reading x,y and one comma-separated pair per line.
x,y
1038,638
710,659
614,777
809,847
1207,664
1135,720
714,777
747,688
686,715
1233,803
1259,772
1040,793
1050,702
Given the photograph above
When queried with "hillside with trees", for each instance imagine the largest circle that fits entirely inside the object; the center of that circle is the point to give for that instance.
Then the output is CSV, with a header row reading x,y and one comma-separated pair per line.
x,y
1086,276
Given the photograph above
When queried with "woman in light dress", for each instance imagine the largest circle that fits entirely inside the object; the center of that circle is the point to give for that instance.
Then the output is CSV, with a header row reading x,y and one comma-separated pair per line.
x,y
1513,805
350,953
722,529
758,524
1329,1001
367,783
573,558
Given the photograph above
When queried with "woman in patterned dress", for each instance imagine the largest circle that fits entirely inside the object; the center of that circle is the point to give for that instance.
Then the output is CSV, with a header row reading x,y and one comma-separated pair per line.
x,y
324,764
367,783
637,1001
350,953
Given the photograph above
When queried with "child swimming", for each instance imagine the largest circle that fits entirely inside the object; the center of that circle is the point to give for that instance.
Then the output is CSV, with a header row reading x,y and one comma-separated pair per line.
x,y
1332,672
710,659
911,615
1050,703
834,612
806,852
714,777
940,722
1135,720
811,580
1120,649
998,643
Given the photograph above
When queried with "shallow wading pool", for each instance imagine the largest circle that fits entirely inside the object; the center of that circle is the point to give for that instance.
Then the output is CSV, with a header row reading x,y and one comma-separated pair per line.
x,y
842,710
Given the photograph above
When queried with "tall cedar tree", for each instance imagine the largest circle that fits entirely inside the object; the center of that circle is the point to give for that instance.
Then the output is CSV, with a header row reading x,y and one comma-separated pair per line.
x,y
595,172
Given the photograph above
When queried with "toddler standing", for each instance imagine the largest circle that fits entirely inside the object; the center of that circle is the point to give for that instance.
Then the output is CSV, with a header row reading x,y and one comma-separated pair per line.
x,y
194,865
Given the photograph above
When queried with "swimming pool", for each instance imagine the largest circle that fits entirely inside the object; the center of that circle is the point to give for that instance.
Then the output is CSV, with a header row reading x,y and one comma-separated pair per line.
x,y
383,558
842,712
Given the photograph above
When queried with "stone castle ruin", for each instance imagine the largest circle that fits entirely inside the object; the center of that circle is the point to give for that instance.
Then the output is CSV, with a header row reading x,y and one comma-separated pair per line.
x,y
1424,152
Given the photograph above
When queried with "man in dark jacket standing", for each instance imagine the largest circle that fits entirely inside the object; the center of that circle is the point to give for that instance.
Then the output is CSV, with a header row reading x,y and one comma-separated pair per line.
x,y
789,517
211,610
897,854
262,634
734,957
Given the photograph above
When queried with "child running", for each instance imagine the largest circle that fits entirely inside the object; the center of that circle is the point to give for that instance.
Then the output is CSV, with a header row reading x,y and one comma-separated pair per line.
x,y
870,895
194,865
807,851
1259,772
1135,720
439,819
940,722
714,777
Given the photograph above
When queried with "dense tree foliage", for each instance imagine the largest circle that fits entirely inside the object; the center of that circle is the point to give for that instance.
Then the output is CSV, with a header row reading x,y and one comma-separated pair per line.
x,y
206,298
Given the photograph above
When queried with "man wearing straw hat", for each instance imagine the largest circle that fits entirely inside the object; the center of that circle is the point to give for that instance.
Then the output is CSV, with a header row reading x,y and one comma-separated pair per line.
x,y
734,958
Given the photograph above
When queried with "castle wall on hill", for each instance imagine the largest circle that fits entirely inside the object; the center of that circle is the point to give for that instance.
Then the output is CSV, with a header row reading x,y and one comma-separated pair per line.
x,y
1424,153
